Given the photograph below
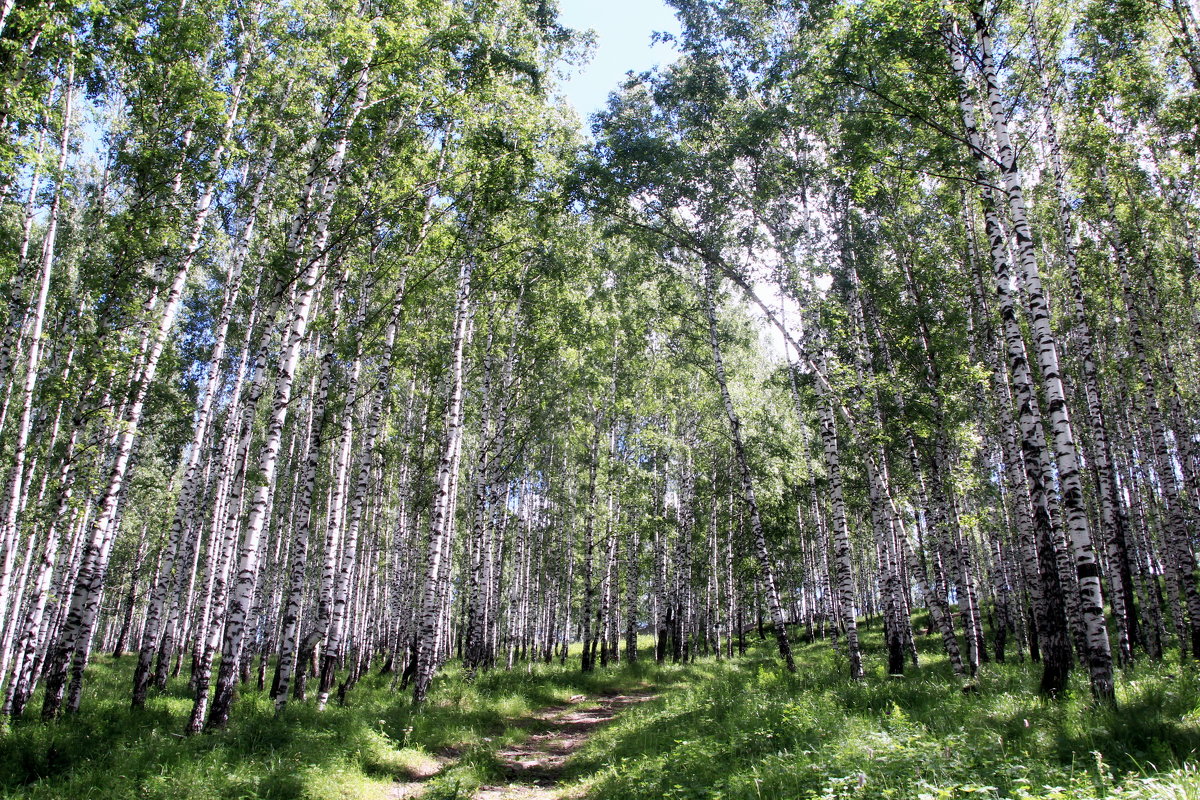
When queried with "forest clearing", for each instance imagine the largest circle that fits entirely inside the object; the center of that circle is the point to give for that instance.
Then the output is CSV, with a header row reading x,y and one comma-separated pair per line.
x,y
818,419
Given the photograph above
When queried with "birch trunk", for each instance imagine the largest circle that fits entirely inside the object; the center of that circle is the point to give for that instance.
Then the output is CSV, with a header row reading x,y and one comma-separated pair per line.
x,y
74,640
1099,653
294,337
33,357
334,650
441,518
1175,502
1111,520
766,564
185,510
1051,624
587,660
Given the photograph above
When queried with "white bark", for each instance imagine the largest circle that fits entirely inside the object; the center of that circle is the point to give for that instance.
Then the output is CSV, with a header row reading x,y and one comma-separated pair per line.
x,y
185,510
441,518
766,563
1099,654
33,357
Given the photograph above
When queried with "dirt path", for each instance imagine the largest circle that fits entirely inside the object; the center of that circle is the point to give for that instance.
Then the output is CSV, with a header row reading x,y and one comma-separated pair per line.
x,y
533,769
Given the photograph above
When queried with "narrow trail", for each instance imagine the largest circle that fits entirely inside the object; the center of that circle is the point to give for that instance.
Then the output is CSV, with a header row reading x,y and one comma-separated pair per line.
x,y
533,769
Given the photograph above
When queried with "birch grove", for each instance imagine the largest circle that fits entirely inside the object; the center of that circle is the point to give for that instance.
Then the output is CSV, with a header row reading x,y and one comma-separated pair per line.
x,y
331,345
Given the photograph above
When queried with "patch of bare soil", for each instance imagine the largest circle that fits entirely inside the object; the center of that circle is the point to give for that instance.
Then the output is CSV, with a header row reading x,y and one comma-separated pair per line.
x,y
409,790
421,773
535,767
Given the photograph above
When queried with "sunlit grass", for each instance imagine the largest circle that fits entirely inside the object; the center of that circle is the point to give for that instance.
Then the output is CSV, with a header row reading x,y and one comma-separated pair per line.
x,y
718,729
359,750
748,729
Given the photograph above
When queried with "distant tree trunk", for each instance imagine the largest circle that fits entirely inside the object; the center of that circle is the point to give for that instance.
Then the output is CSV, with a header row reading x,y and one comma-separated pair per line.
x,y
335,630
475,655
1175,502
766,564
587,662
633,555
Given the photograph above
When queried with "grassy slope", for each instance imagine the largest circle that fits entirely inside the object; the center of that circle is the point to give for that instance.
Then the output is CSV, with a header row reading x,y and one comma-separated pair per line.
x,y
749,730
741,729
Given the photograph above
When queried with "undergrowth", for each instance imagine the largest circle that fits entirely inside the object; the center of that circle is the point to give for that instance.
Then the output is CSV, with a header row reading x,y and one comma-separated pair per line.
x,y
748,729
718,729
353,752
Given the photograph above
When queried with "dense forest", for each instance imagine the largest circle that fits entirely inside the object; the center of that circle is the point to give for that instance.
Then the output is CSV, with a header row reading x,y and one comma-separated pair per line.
x,y
343,363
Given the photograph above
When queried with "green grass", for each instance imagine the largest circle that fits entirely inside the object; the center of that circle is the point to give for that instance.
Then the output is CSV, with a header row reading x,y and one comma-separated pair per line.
x,y
354,751
739,729
747,729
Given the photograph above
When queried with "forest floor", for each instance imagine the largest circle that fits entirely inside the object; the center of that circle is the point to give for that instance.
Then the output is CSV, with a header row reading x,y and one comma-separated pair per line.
x,y
535,769
714,729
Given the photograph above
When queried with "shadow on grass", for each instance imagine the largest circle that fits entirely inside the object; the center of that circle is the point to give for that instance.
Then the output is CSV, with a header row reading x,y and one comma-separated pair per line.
x,y
717,729
354,751
747,729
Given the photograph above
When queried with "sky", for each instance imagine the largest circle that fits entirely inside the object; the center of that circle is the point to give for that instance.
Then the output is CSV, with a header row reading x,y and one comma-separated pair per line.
x,y
623,29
